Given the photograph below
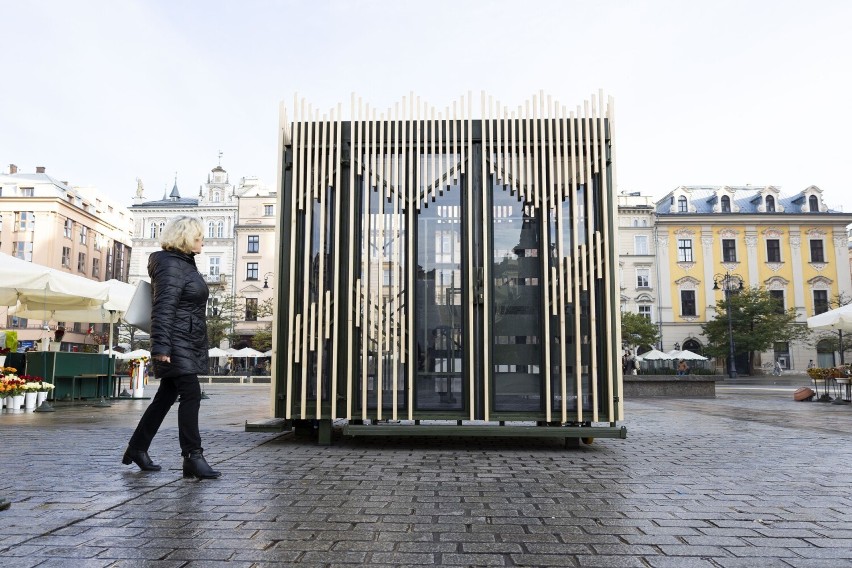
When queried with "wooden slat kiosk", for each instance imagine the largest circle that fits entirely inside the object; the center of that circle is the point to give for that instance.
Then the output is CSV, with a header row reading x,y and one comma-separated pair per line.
x,y
441,274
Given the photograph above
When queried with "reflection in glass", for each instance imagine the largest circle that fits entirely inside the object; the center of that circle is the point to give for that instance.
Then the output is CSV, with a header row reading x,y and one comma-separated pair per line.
x,y
516,303
439,299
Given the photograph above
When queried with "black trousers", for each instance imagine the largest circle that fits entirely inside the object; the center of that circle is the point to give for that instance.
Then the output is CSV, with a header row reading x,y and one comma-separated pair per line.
x,y
190,401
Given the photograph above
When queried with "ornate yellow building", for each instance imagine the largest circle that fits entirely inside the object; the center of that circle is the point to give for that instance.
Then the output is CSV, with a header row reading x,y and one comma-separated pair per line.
x,y
794,246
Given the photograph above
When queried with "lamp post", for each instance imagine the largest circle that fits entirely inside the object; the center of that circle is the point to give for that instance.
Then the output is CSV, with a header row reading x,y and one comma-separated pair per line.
x,y
266,279
729,283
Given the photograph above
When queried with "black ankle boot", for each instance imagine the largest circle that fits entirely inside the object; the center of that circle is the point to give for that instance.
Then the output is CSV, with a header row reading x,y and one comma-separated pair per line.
x,y
194,465
140,458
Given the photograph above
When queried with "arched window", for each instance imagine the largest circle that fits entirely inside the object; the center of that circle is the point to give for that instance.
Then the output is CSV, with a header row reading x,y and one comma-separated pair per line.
x,y
726,204
215,197
153,231
635,222
770,204
161,227
644,222
211,230
692,345
813,204
220,229
681,204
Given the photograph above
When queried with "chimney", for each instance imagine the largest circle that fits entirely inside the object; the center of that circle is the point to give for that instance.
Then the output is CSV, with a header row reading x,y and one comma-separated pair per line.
x,y
13,169
39,169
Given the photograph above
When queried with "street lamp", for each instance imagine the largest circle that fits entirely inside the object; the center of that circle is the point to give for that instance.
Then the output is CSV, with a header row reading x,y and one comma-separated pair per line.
x,y
730,283
266,279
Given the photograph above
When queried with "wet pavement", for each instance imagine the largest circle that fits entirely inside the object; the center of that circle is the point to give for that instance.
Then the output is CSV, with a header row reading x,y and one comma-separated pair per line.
x,y
750,478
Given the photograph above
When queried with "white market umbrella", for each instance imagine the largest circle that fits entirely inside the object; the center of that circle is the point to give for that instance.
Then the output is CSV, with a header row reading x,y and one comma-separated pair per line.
x,y
656,355
135,354
26,283
688,355
267,353
838,319
247,352
216,352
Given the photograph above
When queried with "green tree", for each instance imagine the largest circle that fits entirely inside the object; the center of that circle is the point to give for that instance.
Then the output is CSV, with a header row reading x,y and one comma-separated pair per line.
x,y
757,321
223,309
638,331
262,339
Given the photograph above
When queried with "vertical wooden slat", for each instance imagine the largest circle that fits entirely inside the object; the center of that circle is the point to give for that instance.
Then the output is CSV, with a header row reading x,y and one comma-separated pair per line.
x,y
411,198
563,274
615,239
335,300
291,301
487,370
319,333
470,262
593,328
542,181
609,301
575,249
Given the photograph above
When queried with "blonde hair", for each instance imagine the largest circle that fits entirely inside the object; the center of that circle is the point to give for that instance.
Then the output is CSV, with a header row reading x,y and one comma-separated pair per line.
x,y
180,233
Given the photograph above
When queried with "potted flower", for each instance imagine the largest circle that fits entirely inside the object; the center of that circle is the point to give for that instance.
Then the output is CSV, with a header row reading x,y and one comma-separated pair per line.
x,y
30,391
13,390
58,334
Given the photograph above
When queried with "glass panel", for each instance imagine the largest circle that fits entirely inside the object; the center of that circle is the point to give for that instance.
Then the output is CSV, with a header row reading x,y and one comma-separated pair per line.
x,y
439,302
516,303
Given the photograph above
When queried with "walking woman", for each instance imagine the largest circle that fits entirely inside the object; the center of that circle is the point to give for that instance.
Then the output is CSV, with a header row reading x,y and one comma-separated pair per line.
x,y
178,346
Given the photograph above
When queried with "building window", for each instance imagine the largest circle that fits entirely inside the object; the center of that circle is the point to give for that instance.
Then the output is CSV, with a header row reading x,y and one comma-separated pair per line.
x,y
161,227
23,250
773,250
251,271
770,204
153,233
66,257
643,277
820,301
24,221
69,228
778,296
817,253
220,229
253,243
251,309
729,250
96,268
681,204
684,250
687,303
215,263
645,311
211,230
81,262
27,191
640,243
726,204
268,210
813,204
215,197
84,234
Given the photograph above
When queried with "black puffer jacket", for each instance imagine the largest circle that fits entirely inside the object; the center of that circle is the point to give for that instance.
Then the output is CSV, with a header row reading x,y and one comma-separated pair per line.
x,y
178,314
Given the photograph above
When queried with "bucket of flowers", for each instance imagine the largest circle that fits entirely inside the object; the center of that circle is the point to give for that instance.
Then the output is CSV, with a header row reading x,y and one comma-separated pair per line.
x,y
32,387
13,389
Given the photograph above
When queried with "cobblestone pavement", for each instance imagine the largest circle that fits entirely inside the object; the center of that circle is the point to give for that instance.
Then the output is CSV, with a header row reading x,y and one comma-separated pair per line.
x,y
749,478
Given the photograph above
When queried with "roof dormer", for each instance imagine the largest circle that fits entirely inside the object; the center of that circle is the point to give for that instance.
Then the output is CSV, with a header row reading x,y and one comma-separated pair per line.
x,y
723,201
769,200
812,200
681,201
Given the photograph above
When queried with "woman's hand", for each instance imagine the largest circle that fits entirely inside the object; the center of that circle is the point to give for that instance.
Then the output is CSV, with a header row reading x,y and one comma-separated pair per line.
x,y
163,358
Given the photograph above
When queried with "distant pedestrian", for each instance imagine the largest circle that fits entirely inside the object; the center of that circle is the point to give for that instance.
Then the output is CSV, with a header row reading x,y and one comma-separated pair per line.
x,y
777,370
682,368
811,364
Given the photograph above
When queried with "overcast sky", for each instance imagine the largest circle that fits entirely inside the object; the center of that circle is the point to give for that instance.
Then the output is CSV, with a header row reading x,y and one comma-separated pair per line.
x,y
719,93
